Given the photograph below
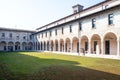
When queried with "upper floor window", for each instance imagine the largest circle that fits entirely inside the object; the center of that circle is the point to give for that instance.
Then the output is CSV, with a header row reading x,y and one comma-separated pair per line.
x,y
70,28
80,26
30,37
93,23
10,35
46,34
3,34
50,33
110,19
62,30
17,37
24,37
42,35
56,32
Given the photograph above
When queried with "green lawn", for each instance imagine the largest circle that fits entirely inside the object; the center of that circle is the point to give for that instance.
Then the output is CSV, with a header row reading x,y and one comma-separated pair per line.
x,y
48,66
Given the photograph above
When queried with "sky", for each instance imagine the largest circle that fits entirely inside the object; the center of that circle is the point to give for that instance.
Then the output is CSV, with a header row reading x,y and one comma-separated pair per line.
x,y
32,14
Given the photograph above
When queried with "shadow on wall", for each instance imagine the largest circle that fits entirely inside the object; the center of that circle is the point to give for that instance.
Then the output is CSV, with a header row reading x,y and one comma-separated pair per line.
x,y
33,68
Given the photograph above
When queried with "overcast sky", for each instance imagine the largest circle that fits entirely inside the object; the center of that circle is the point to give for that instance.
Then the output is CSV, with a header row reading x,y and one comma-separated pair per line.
x,y
31,14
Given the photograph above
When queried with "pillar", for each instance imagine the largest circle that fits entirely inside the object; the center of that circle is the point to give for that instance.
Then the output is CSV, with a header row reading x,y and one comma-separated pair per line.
x,y
64,46
71,47
89,52
118,47
21,46
79,45
102,46
59,46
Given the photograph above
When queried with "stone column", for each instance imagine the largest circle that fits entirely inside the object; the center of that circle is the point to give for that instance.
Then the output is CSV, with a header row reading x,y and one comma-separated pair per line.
x,y
59,46
102,46
6,46
79,45
89,52
118,47
64,47
21,46
71,47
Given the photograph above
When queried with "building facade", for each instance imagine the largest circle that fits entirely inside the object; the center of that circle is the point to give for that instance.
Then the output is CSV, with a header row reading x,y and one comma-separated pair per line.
x,y
16,40
95,30
91,31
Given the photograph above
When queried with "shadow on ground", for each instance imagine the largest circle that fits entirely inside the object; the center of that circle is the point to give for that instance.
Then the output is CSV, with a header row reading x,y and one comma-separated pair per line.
x,y
52,69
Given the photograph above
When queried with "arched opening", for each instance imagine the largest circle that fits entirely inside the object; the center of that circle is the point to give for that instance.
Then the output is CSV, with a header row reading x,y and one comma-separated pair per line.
x,y
10,46
24,46
68,45
75,45
3,46
44,45
47,45
38,46
96,44
30,46
110,44
41,45
84,44
56,45
61,45
17,46
52,45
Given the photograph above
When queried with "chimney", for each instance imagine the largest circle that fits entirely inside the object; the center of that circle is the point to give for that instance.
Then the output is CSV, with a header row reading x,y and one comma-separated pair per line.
x,y
108,0
77,8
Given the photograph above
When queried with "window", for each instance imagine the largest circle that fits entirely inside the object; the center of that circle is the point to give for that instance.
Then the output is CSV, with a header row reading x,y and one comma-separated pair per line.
x,y
80,26
62,30
17,37
24,37
94,23
110,19
30,37
3,34
50,33
46,34
56,32
42,35
70,28
10,35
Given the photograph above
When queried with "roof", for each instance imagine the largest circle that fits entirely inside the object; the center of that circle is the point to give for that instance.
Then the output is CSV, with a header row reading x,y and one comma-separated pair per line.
x,y
13,29
78,18
73,14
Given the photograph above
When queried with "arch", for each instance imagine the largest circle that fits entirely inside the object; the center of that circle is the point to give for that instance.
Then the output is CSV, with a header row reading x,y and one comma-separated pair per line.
x,y
10,46
30,46
110,43
52,45
24,46
75,45
84,44
61,45
67,45
47,45
56,45
41,45
17,46
38,45
95,44
44,45
3,46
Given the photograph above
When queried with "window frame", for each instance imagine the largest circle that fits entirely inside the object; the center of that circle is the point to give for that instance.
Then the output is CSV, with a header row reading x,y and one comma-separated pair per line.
x,y
94,23
110,19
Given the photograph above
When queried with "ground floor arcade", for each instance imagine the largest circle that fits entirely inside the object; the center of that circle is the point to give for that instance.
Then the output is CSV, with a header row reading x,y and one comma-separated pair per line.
x,y
109,44
16,46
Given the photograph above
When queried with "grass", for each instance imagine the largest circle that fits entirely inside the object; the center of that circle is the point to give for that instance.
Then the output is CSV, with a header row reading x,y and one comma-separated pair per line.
x,y
48,66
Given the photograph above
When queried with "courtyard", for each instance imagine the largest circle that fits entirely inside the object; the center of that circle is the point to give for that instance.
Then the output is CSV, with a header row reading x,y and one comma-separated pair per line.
x,y
49,66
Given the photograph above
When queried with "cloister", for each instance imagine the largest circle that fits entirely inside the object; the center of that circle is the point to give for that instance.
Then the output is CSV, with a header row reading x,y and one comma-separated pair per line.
x,y
16,46
106,44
